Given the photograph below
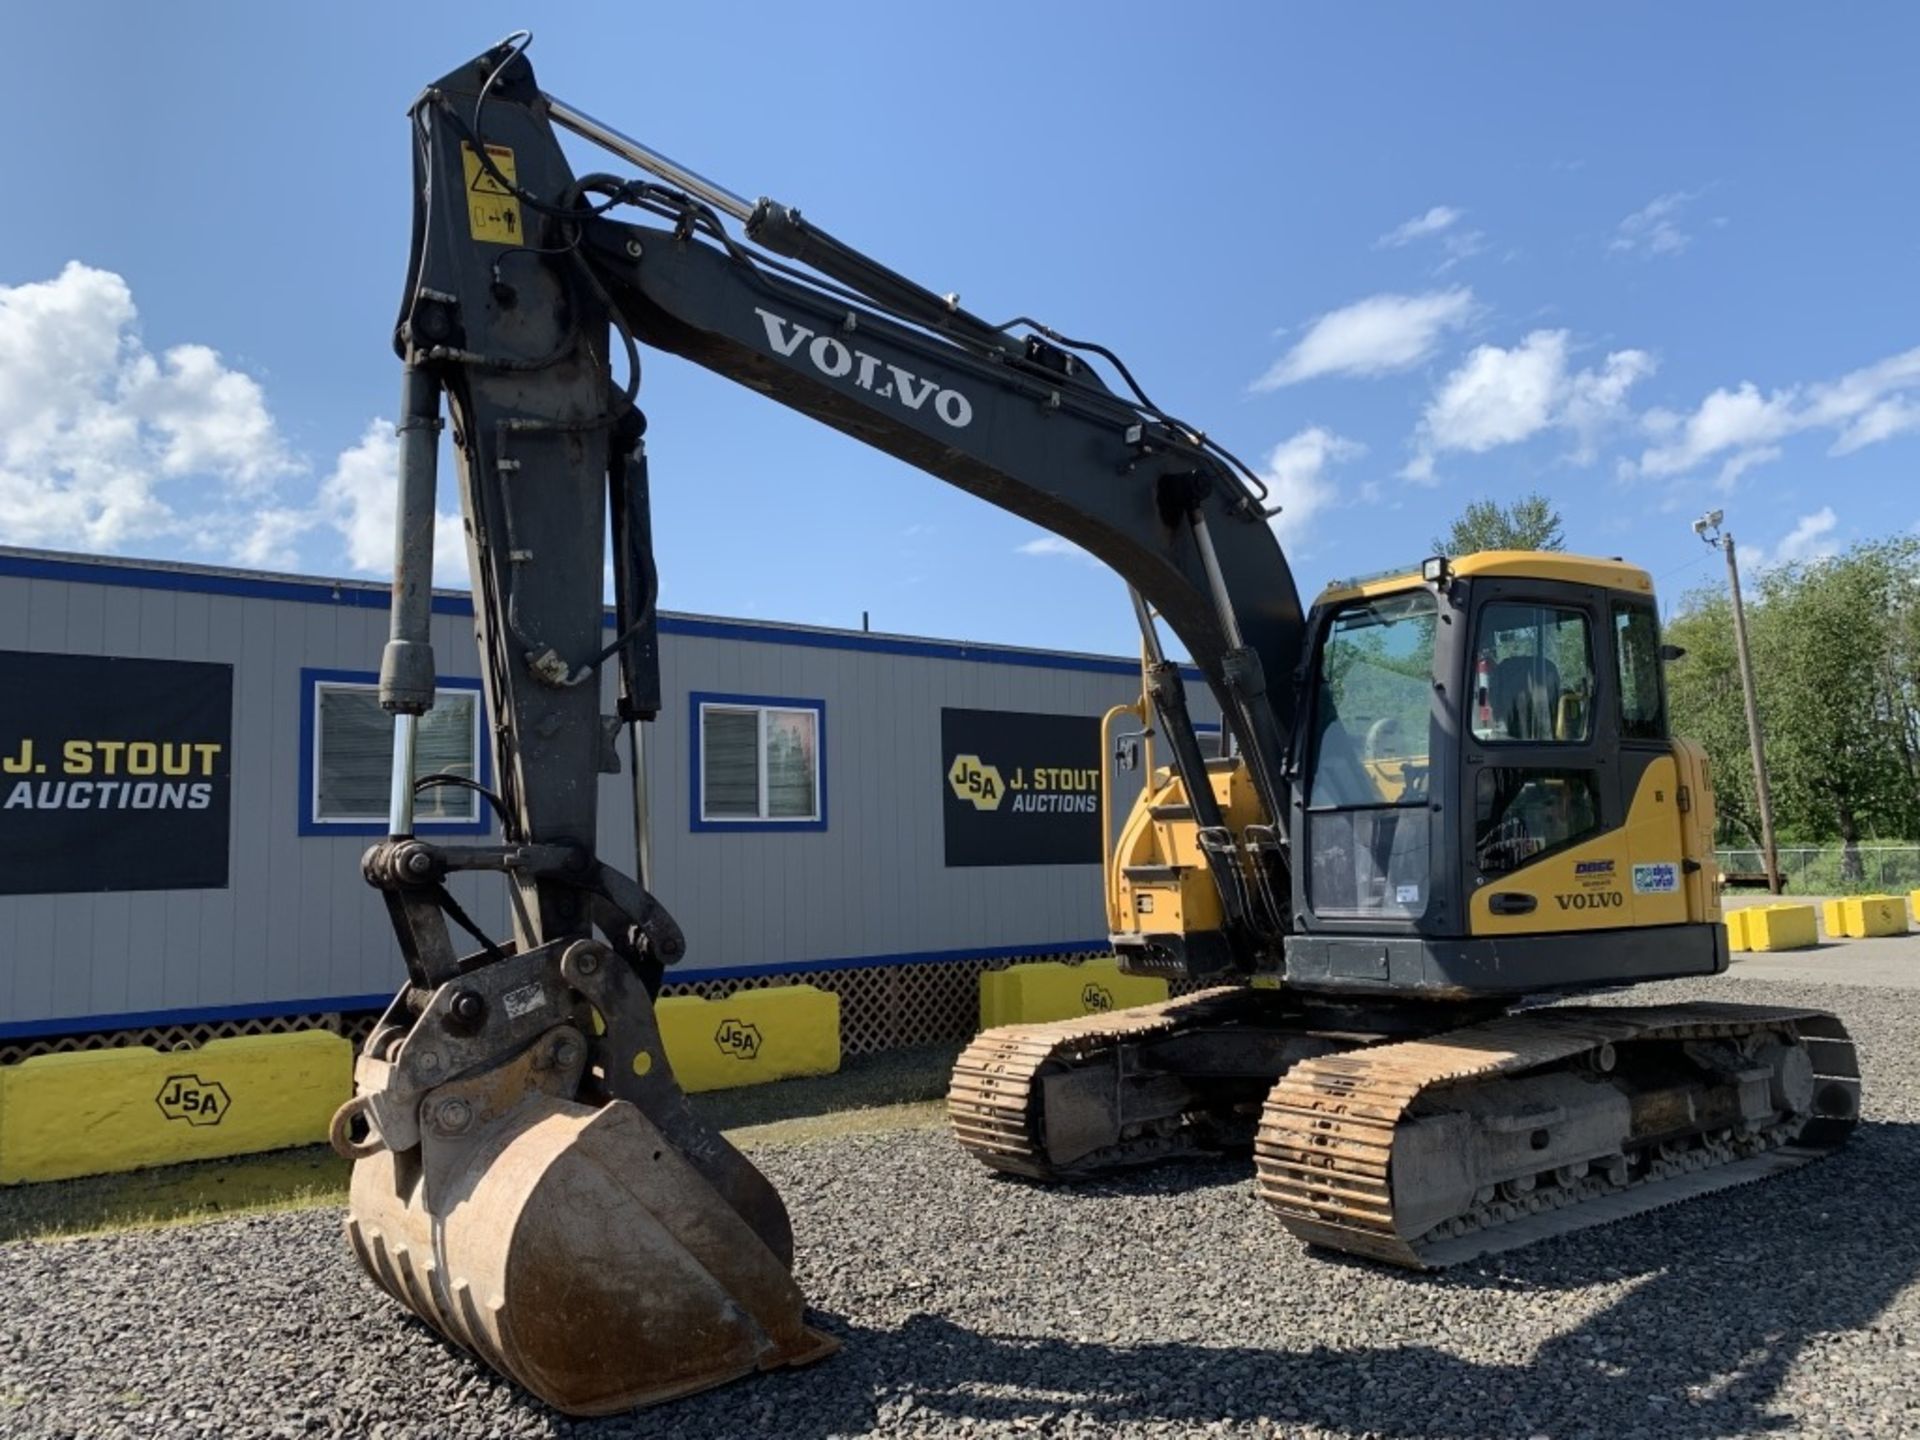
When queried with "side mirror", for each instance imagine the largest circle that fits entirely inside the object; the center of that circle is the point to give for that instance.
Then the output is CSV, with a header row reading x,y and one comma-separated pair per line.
x,y
1671,653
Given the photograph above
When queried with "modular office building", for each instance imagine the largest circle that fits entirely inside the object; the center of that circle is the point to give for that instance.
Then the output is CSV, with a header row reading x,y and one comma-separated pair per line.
x,y
192,760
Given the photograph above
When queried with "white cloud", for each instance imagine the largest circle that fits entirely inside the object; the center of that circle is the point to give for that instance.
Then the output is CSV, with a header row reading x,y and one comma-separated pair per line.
x,y
1500,396
1812,538
1055,546
102,442
1296,481
1439,218
360,499
1375,336
1862,407
1442,222
1739,464
1651,230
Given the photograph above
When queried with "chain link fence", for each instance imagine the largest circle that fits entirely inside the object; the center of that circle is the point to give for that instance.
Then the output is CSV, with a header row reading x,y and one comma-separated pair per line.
x,y
1824,869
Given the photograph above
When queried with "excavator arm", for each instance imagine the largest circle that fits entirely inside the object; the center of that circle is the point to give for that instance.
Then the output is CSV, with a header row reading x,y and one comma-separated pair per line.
x,y
521,1142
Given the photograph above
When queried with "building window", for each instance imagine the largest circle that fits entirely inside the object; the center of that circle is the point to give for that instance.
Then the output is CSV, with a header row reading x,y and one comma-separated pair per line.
x,y
347,757
758,763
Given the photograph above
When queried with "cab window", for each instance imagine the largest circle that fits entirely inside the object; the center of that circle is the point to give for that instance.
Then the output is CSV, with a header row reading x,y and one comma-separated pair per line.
x,y
1523,813
1375,698
1636,643
1532,675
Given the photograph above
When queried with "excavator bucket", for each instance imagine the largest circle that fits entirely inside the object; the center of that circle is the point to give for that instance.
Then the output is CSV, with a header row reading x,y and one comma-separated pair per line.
x,y
602,1256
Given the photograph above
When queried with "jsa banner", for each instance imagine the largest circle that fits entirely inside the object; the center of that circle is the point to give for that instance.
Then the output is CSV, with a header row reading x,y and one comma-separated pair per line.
x,y
114,774
1020,789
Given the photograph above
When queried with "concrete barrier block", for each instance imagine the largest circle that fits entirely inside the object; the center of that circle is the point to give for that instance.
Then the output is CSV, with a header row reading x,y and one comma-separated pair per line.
x,y
1049,990
94,1112
1833,918
1737,930
1780,927
1868,915
751,1037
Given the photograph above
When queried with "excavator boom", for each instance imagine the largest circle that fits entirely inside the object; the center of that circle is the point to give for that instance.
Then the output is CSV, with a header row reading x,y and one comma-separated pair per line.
x,y
529,1177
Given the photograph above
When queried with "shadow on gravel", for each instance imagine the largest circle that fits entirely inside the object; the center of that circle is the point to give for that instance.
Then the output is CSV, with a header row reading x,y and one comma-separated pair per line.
x,y
1726,1294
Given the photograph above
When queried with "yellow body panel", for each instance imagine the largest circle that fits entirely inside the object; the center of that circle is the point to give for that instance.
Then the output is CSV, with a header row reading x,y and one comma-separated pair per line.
x,y
1187,901
1527,564
1697,821
1635,875
93,1112
750,1037
1026,994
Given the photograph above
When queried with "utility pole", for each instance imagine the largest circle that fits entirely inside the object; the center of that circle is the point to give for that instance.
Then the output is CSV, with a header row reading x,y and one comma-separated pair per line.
x,y
1707,527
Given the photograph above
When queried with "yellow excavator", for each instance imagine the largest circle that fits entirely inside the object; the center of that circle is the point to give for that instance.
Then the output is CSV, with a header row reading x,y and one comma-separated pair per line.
x,y
1439,796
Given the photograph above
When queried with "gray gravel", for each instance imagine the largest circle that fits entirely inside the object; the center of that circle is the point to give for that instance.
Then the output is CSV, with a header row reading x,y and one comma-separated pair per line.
x,y
1167,1303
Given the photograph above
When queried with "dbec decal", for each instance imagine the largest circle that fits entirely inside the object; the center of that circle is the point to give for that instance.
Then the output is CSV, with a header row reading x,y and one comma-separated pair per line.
x,y
1019,788
114,774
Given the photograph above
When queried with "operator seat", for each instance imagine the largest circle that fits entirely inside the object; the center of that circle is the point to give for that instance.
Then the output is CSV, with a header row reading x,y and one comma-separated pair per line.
x,y
1525,695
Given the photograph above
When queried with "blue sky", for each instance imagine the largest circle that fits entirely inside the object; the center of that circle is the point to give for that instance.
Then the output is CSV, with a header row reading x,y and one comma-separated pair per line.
x,y
1650,262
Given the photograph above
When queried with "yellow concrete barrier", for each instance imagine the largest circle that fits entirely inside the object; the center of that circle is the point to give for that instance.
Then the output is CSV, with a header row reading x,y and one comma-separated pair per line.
x,y
750,1037
1737,930
1867,915
97,1111
1779,927
1833,918
1022,994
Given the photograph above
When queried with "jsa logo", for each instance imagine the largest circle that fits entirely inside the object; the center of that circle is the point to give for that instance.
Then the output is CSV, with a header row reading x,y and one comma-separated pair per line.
x,y
840,361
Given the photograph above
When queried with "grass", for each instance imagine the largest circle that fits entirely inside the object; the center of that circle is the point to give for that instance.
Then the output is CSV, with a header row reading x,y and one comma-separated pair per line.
x,y
871,1094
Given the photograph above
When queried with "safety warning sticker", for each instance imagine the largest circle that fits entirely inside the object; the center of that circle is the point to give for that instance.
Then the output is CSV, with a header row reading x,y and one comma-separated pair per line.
x,y
492,212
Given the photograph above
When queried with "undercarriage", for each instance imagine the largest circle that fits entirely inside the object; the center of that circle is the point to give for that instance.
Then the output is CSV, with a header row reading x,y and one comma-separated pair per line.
x,y
1426,1151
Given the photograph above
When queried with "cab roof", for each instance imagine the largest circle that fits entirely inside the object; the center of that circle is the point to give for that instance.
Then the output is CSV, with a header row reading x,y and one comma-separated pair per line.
x,y
1605,574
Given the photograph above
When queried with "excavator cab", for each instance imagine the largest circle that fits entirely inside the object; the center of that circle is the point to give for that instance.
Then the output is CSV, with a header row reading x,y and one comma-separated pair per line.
x,y
1484,790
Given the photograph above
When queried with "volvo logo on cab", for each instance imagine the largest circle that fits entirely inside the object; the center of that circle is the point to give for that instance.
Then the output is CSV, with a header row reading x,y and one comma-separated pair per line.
x,y
839,361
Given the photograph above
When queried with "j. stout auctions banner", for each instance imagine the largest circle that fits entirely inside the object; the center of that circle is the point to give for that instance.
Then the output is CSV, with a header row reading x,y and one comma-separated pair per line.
x,y
1020,789
114,774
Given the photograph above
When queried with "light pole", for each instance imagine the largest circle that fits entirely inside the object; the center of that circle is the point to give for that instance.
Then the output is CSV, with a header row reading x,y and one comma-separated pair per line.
x,y
1707,527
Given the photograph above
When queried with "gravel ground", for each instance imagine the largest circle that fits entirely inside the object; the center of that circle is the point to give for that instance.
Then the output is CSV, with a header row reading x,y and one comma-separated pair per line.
x,y
1166,1303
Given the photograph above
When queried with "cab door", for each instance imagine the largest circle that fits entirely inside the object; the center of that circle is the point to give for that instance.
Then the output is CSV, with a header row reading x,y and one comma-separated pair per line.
x,y
1665,870
1542,844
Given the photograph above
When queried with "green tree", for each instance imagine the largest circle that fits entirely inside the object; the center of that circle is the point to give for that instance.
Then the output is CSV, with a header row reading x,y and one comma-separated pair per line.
x,y
1839,719
1704,704
1529,523
1836,651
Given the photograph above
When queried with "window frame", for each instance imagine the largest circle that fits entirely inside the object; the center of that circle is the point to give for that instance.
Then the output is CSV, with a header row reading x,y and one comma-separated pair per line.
x,y
698,703
1620,607
1522,742
1314,736
310,822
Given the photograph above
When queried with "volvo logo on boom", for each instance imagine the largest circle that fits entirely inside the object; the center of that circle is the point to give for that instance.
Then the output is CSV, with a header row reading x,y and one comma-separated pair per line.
x,y
838,360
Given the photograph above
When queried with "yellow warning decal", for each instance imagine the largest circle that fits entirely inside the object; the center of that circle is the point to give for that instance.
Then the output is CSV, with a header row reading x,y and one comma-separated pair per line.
x,y
492,212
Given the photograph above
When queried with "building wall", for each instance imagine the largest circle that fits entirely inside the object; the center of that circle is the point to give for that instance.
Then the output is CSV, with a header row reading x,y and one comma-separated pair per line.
x,y
297,929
